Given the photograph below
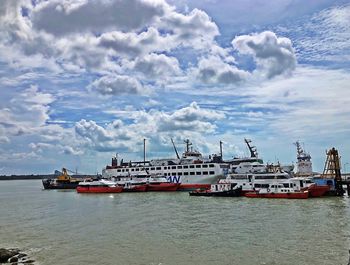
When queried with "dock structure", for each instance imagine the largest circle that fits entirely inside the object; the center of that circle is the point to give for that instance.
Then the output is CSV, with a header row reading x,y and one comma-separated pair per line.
x,y
332,171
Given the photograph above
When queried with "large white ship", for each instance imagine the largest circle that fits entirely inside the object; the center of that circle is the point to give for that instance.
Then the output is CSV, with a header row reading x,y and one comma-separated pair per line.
x,y
191,170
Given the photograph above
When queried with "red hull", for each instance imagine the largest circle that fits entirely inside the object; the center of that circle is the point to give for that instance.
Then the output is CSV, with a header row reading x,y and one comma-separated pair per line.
x,y
318,190
95,189
191,187
136,188
292,195
163,187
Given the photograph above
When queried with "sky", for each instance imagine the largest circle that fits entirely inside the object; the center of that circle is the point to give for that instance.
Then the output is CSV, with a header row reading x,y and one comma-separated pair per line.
x,y
83,80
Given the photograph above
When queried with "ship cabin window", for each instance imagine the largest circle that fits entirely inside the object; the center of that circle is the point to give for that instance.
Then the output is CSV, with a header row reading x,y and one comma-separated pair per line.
x,y
147,168
118,170
179,173
158,168
192,173
132,169
198,166
173,173
205,172
286,185
185,166
191,166
264,177
205,166
173,167
137,169
261,185
211,165
152,168
185,173
198,173
123,170
212,172
281,177
179,167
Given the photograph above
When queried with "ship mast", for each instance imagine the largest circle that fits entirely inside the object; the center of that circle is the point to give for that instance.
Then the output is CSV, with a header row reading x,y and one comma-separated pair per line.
x,y
144,151
299,149
188,144
221,150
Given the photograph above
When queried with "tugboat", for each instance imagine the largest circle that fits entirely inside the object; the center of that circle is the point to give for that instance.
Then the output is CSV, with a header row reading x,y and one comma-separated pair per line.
x,y
63,181
219,190
278,191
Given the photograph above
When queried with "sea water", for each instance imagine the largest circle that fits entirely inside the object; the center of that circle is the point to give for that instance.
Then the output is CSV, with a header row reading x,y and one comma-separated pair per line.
x,y
171,228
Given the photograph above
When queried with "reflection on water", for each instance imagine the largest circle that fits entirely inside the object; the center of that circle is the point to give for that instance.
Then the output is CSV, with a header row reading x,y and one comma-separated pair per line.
x,y
63,227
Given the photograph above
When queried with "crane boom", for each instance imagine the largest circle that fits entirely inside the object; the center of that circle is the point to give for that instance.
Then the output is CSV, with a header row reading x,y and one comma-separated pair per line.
x,y
177,154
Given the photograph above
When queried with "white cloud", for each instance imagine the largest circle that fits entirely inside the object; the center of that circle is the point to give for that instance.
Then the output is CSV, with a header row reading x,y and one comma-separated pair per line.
x,y
195,28
325,36
117,84
274,55
213,70
156,125
155,66
67,17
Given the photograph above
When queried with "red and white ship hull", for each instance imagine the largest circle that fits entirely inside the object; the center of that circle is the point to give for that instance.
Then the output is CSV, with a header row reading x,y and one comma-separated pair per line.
x,y
278,195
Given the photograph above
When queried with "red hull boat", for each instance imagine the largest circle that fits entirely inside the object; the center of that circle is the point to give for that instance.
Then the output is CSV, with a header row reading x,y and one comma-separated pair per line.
x,y
98,189
135,188
163,187
287,195
317,190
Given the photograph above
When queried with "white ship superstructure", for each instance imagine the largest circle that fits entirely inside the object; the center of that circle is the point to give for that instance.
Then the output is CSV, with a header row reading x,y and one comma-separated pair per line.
x,y
191,170
304,164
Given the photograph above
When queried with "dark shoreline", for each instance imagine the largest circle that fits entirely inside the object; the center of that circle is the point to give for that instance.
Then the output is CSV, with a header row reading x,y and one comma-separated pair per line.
x,y
47,176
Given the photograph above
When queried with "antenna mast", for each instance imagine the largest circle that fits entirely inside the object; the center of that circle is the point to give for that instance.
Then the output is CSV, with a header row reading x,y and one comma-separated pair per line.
x,y
144,151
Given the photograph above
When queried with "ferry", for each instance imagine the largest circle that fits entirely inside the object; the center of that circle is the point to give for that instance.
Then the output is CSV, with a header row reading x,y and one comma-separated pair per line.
x,y
252,177
191,171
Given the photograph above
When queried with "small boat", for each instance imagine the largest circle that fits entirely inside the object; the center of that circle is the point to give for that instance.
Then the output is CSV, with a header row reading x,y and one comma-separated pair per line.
x,y
99,186
63,181
219,190
278,191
